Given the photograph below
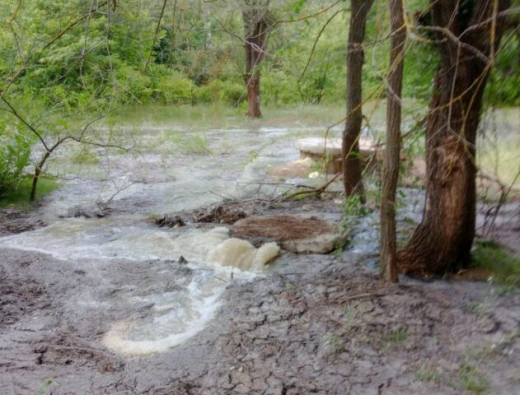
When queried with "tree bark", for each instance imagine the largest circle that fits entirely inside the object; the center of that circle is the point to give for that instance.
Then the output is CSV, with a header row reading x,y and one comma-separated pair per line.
x,y
352,166
255,15
388,258
468,33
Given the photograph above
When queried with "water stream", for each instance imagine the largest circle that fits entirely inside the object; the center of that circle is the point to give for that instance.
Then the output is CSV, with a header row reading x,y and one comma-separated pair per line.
x,y
170,170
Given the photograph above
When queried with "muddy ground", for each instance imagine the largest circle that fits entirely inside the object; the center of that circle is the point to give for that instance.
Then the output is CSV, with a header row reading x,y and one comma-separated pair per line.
x,y
315,324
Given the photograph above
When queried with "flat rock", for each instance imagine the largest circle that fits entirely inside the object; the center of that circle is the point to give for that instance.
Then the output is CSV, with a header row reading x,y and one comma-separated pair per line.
x,y
297,169
293,233
319,148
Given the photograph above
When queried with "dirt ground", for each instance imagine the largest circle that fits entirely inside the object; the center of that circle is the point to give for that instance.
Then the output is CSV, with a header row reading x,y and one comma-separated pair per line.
x,y
314,324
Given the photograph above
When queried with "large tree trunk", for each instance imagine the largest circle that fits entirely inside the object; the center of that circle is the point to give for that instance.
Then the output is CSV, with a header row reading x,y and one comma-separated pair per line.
x,y
468,35
352,167
388,258
256,27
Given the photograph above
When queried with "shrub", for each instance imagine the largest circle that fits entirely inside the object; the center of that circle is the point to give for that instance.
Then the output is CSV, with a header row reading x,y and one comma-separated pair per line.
x,y
15,151
176,89
232,93
278,87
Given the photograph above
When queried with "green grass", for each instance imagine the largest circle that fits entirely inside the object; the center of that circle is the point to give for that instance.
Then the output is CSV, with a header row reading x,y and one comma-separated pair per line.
x,y
472,379
20,197
196,144
497,263
429,373
85,157
222,116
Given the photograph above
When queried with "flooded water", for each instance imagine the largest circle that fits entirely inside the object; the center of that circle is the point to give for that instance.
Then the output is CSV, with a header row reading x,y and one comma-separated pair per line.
x,y
169,169
172,168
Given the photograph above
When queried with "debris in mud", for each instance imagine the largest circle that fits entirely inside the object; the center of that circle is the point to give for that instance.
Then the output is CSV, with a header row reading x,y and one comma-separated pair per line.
x,y
94,211
170,221
13,221
70,350
294,233
221,214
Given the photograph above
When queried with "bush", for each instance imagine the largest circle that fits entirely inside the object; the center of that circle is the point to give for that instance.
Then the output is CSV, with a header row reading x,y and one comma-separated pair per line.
x,y
15,151
176,89
278,87
229,92
134,84
232,93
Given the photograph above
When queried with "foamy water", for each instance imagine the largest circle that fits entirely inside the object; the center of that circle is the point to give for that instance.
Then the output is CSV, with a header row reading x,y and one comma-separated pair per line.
x,y
214,259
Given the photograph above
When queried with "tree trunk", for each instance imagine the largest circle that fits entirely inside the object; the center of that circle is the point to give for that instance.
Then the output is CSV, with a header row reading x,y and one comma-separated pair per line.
x,y
37,172
468,34
255,14
388,261
253,95
352,166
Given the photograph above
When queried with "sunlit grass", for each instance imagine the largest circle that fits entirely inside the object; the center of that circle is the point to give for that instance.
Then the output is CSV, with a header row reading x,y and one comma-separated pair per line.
x,y
19,198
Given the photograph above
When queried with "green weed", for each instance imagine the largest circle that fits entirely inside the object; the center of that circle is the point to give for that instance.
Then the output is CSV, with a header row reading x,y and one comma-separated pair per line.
x,y
500,266
471,379
19,197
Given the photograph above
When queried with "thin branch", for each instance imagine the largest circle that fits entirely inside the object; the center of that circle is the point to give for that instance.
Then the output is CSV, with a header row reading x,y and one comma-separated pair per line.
x,y
21,119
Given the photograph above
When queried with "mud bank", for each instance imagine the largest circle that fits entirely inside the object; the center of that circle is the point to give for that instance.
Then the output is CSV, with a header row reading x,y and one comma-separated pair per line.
x,y
320,324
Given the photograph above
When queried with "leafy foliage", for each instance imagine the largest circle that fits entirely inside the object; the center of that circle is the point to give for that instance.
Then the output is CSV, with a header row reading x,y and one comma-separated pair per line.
x,y
15,151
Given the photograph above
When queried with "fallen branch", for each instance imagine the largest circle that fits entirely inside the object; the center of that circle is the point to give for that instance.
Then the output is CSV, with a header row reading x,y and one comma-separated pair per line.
x,y
312,191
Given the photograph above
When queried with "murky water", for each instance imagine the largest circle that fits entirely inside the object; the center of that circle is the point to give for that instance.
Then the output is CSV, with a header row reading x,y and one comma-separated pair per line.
x,y
169,170
172,169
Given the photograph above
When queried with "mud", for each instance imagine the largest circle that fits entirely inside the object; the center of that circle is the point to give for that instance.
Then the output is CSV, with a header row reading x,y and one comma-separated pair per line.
x,y
14,221
282,227
317,324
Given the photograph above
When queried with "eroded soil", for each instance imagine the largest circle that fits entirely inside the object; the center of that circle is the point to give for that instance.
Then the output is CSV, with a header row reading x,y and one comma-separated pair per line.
x,y
315,324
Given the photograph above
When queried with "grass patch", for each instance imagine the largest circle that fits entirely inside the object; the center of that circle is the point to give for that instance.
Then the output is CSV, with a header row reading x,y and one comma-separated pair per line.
x,y
19,198
218,115
394,337
428,373
494,263
471,379
195,144
85,157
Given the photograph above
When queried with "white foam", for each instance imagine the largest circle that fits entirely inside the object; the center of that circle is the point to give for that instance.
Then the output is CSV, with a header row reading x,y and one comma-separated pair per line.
x,y
137,338
175,316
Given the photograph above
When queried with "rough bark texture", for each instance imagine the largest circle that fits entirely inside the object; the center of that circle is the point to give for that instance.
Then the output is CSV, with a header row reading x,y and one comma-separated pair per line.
x,y
388,257
255,15
352,167
468,33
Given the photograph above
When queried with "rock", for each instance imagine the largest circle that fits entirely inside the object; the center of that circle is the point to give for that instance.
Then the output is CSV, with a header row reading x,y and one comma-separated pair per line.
x,y
293,233
319,149
169,221
297,169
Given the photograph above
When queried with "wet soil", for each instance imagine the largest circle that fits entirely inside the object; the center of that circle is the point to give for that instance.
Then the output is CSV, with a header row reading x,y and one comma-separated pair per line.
x,y
314,324
14,221
281,227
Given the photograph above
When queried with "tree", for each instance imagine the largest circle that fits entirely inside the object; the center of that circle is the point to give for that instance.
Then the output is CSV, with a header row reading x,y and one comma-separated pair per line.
x,y
467,36
352,167
256,29
388,261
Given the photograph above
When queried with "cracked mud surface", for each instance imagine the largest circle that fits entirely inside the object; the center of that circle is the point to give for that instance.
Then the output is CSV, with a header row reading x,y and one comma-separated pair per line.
x,y
319,325
314,324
